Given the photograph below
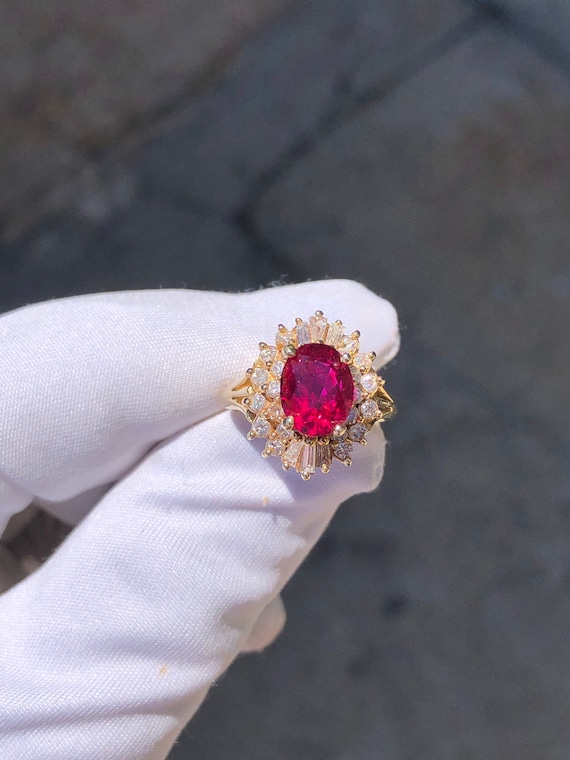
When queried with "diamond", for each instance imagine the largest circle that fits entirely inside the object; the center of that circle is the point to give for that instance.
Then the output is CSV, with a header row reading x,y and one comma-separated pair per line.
x,y
284,432
273,389
282,338
261,427
369,382
362,361
257,402
357,432
317,389
307,462
343,450
259,376
291,456
274,448
369,409
350,345
352,416
318,327
323,456
275,412
334,334
303,334
278,448
268,354
277,369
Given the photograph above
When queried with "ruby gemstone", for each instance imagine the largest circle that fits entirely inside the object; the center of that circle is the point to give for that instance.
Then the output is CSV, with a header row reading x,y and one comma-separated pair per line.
x,y
317,389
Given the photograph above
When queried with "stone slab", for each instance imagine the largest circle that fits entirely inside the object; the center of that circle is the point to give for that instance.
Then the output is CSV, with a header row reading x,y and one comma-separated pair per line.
x,y
549,17
75,76
452,198
152,244
284,85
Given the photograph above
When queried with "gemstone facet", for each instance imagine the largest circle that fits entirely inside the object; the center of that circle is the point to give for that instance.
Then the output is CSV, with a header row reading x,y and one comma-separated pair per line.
x,y
317,389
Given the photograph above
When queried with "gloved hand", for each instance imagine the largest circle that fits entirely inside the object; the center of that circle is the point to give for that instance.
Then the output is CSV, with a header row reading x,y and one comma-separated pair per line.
x,y
113,417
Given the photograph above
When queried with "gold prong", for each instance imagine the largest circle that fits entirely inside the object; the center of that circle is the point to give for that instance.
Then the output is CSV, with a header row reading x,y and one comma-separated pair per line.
x,y
339,430
298,321
262,346
265,454
306,475
284,465
325,468
288,423
355,335
345,358
347,462
281,328
251,435
249,370
290,350
338,322
372,355
319,313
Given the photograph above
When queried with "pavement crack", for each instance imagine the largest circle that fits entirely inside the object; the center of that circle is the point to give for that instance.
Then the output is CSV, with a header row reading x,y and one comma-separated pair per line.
x,y
540,42
345,106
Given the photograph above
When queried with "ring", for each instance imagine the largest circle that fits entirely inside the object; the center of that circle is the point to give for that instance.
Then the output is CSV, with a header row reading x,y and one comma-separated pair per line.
x,y
312,395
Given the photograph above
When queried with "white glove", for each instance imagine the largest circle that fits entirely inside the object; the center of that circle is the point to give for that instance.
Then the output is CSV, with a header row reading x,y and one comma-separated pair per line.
x,y
110,647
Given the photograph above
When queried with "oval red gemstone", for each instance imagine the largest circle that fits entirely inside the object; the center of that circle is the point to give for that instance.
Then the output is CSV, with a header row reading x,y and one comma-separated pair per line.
x,y
317,389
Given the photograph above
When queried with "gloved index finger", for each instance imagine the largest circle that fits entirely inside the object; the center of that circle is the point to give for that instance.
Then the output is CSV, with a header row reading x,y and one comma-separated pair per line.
x,y
90,383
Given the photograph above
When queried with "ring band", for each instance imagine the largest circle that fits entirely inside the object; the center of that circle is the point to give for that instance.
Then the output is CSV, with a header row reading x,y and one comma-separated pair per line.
x,y
312,395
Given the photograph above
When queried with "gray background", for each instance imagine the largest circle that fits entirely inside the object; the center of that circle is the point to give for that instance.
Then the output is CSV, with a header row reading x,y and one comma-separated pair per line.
x,y
422,147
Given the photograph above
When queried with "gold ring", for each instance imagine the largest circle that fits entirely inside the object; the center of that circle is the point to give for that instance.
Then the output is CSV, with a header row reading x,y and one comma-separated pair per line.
x,y
312,395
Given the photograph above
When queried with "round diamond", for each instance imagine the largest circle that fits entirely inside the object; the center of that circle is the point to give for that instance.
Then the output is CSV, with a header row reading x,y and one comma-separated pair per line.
x,y
259,376
257,402
343,450
369,382
369,409
362,361
277,448
350,345
275,412
317,389
261,427
357,432
268,354
282,338
277,369
273,389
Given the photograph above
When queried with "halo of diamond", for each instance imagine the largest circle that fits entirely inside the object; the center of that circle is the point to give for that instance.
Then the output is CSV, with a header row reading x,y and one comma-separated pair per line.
x,y
258,397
